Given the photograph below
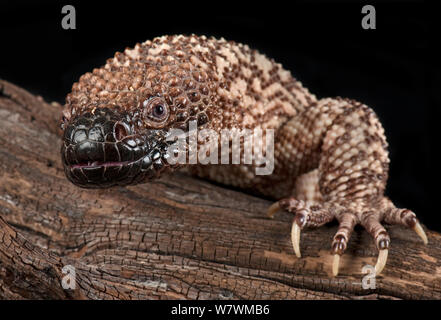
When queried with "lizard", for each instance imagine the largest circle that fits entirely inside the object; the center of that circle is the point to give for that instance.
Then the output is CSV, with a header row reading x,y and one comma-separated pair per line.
x,y
330,155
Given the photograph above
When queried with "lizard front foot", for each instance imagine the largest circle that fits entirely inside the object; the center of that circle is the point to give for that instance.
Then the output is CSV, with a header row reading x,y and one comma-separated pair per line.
x,y
307,214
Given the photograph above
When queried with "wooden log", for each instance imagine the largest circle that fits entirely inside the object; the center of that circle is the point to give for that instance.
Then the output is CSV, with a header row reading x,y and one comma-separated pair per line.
x,y
175,238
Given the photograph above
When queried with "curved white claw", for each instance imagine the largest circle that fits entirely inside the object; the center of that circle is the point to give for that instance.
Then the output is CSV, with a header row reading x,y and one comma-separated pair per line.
x,y
381,261
420,232
335,264
295,238
272,210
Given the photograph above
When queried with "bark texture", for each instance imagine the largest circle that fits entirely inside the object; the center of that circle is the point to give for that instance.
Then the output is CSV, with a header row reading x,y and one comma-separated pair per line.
x,y
176,238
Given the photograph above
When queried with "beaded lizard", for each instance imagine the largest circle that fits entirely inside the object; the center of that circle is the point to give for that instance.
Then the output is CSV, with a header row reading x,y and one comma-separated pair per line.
x,y
330,155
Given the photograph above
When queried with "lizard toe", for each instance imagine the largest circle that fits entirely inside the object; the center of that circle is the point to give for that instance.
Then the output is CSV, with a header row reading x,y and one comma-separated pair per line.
x,y
347,222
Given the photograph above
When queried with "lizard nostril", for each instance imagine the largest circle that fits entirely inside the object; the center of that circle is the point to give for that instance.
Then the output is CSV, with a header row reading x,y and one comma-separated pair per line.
x,y
121,131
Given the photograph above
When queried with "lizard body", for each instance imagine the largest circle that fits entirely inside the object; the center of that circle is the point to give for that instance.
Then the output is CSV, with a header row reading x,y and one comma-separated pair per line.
x,y
330,155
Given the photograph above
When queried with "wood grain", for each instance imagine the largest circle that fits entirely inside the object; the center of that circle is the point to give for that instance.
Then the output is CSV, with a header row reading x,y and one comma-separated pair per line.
x,y
175,238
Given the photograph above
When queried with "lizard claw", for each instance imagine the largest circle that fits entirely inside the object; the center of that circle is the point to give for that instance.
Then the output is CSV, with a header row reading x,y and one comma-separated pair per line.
x,y
272,210
420,232
381,261
295,238
295,230
335,264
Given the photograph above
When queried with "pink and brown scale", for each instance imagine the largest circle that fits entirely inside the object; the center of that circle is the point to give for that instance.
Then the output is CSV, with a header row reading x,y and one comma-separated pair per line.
x,y
331,159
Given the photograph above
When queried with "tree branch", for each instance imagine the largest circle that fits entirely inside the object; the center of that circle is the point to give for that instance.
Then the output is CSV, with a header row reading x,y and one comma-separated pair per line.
x,y
178,237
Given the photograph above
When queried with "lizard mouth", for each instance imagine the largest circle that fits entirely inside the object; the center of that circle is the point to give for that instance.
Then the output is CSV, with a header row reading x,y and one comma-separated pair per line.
x,y
97,164
102,150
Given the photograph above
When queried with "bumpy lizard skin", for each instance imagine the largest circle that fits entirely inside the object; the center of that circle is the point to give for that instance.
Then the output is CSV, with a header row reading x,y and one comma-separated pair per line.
x,y
331,159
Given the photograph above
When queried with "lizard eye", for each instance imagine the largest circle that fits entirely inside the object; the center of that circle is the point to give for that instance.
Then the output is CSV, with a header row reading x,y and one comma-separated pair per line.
x,y
156,109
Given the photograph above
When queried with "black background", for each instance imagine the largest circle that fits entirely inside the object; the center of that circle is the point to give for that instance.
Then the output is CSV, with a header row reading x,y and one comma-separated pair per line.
x,y
394,69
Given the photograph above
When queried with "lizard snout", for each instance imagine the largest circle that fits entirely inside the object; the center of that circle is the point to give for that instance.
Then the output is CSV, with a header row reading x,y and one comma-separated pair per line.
x,y
101,149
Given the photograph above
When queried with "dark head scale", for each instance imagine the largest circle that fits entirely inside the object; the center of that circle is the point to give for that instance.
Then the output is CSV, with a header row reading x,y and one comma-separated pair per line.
x,y
117,118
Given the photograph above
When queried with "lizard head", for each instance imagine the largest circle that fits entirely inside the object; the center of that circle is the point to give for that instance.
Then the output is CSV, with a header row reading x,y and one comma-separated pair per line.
x,y
117,119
